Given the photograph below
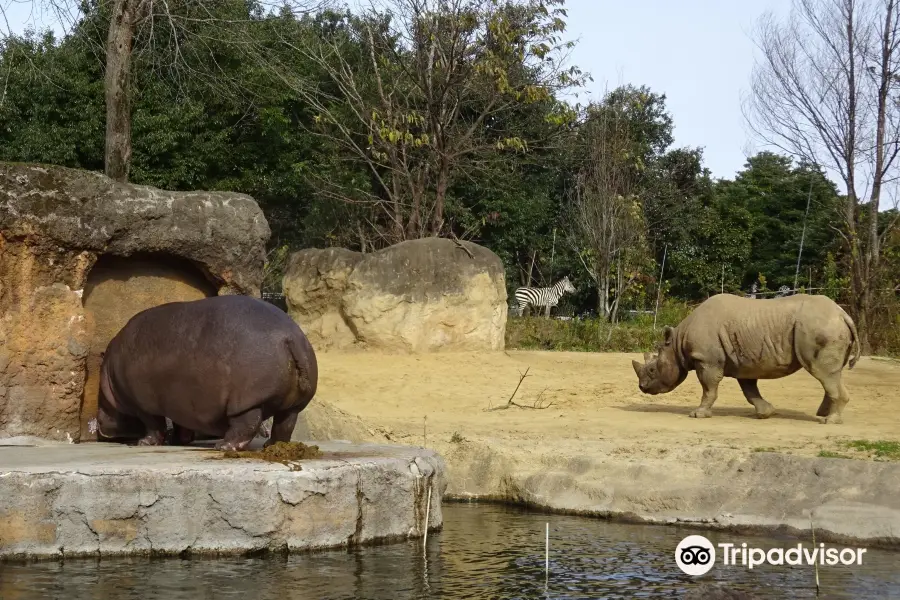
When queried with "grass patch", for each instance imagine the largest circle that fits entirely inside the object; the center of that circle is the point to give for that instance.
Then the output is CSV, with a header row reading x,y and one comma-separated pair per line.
x,y
280,452
830,454
636,334
879,449
592,335
765,450
456,438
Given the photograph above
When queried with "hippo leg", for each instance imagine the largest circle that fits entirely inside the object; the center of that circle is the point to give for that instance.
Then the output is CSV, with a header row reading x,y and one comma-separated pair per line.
x,y
282,427
265,430
180,436
242,429
156,430
709,377
764,410
114,425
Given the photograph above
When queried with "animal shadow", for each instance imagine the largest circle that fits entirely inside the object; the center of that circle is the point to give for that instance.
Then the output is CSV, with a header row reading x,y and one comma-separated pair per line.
x,y
720,411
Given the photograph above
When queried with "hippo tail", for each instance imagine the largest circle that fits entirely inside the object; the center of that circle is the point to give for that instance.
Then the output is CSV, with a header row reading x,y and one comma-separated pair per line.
x,y
305,362
854,341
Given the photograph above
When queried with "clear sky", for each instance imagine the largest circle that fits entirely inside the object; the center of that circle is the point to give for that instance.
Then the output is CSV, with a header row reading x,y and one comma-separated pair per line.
x,y
698,52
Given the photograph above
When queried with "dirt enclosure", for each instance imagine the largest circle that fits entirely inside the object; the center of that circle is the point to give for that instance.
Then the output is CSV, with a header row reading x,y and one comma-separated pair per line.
x,y
595,406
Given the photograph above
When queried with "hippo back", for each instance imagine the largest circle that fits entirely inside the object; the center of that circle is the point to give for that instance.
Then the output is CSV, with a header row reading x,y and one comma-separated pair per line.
x,y
200,362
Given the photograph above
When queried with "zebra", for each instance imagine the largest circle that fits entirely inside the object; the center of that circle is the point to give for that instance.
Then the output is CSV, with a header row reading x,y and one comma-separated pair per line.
x,y
544,297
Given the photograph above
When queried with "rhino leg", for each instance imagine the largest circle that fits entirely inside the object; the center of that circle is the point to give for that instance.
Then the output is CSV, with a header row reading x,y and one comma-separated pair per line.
x,y
825,407
282,427
242,429
836,398
709,377
764,410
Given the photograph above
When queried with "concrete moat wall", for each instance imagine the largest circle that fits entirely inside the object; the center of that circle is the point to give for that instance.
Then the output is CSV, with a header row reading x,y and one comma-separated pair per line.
x,y
106,499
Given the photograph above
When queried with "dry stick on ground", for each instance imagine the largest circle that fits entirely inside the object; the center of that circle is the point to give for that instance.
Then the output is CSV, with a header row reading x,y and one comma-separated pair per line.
x,y
538,405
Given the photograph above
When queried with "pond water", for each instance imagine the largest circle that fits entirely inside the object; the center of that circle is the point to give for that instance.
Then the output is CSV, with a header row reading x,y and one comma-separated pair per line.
x,y
483,552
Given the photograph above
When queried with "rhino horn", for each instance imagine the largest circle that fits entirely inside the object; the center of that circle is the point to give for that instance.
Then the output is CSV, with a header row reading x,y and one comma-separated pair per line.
x,y
647,357
638,367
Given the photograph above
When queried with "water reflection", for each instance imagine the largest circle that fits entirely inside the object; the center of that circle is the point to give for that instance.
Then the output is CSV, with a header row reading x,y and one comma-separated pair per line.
x,y
484,552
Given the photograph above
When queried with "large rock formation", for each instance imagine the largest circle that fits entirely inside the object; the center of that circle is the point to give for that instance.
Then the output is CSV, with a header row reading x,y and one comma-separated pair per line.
x,y
79,255
417,296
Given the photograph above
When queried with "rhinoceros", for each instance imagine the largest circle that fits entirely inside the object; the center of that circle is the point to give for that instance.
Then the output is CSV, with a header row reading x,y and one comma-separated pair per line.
x,y
748,340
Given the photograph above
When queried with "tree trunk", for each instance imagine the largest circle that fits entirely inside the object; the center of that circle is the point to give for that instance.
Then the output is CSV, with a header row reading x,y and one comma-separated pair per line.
x,y
362,237
531,268
862,321
872,252
603,295
118,89
443,183
614,315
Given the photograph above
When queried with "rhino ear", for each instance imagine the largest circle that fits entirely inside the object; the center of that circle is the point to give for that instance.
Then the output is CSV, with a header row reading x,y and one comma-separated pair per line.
x,y
637,367
668,331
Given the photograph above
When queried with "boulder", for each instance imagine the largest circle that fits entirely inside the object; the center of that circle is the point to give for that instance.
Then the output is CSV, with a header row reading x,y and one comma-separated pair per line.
x,y
322,421
79,255
417,296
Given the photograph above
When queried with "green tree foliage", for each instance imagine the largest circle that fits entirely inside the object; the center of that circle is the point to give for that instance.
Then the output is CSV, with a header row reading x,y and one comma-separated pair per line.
x,y
338,122
429,91
51,102
705,237
775,192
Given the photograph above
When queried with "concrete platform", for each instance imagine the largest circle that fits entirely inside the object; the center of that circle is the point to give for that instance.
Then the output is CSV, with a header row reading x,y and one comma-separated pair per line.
x,y
106,499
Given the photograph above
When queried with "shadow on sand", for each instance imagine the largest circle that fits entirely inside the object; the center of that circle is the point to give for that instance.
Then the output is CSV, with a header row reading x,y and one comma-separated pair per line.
x,y
721,411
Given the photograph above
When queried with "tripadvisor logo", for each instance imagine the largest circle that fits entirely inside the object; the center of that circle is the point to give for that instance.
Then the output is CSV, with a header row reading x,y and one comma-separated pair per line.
x,y
696,555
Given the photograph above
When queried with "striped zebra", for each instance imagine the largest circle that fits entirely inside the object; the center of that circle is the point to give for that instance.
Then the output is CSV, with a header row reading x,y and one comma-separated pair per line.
x,y
543,297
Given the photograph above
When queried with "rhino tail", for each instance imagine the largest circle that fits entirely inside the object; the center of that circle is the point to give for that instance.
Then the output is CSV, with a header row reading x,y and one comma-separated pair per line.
x,y
854,341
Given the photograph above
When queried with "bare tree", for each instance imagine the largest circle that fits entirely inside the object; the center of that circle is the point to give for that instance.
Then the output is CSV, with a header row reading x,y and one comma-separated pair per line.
x,y
828,90
433,90
608,229
170,22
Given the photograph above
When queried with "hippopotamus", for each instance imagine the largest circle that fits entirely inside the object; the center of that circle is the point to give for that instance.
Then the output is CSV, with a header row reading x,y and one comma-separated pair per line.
x,y
218,366
748,340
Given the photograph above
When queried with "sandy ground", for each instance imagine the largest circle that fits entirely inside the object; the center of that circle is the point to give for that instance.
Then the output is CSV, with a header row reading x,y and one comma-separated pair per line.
x,y
594,400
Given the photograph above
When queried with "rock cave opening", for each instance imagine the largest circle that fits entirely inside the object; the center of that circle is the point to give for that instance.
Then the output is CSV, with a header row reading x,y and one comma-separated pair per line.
x,y
119,287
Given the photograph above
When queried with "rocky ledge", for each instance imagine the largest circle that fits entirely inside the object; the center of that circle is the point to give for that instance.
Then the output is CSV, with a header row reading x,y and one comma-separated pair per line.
x,y
845,501
106,499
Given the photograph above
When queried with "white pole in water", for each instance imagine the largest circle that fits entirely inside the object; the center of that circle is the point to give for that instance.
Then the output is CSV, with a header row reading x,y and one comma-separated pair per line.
x,y
547,553
813,530
427,518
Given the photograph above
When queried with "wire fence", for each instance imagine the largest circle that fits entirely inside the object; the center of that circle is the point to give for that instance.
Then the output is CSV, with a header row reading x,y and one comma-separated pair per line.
x,y
568,313
275,298
786,291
